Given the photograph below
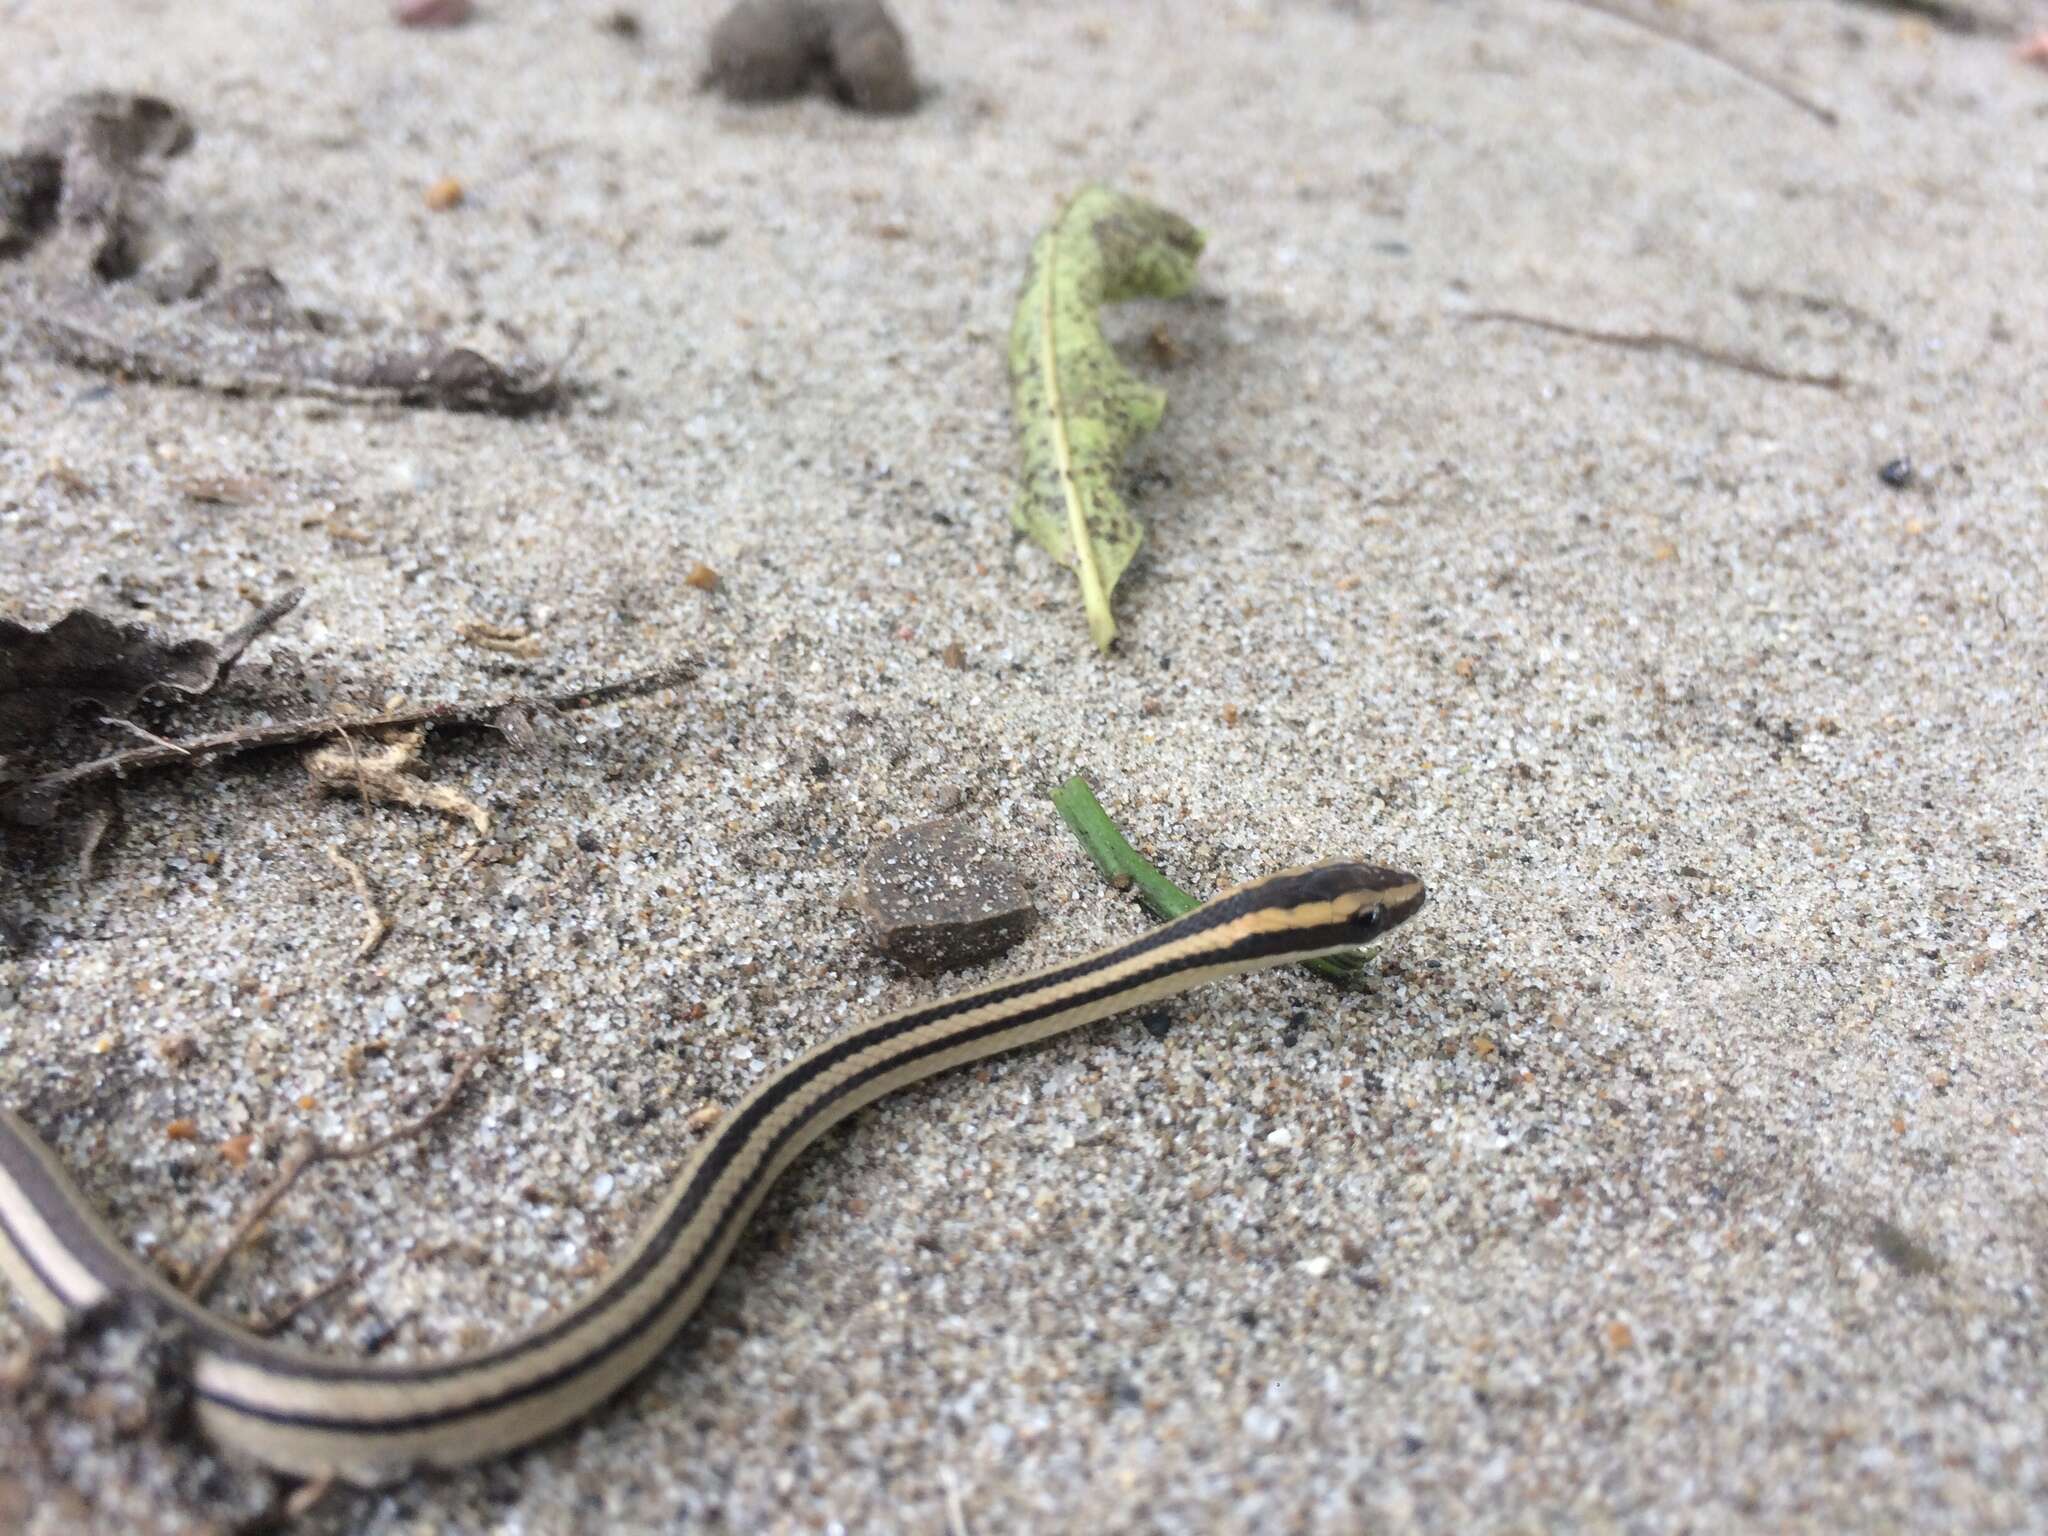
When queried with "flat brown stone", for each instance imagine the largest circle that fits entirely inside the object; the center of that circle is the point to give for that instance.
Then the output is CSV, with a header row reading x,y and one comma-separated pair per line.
x,y
937,897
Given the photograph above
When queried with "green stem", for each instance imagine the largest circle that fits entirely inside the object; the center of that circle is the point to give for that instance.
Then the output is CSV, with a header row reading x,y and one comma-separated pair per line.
x,y
1123,866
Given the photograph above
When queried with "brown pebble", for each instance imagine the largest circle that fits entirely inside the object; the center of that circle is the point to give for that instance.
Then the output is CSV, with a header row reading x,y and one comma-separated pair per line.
x,y
703,1117
1151,706
870,60
936,897
432,13
765,50
955,655
1620,1336
307,1101
236,1150
1230,714
762,50
1481,1046
444,194
702,577
175,1050
182,1130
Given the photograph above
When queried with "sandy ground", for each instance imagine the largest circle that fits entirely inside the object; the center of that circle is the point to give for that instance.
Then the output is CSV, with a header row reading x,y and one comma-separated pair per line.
x,y
1683,1170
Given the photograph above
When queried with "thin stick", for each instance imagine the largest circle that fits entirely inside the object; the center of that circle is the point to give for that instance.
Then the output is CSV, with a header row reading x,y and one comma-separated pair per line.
x,y
1663,341
375,925
1705,49
23,802
146,735
276,1322
310,1150
1950,18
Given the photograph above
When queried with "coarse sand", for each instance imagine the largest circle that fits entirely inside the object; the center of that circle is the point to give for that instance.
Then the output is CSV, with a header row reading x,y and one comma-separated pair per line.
x,y
1684,1167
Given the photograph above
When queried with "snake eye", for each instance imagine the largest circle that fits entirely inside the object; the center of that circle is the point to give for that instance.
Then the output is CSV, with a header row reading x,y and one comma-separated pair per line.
x,y
1367,918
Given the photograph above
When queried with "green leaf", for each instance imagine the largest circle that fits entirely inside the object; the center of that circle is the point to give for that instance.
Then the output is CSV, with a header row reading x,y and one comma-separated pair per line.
x,y
1078,408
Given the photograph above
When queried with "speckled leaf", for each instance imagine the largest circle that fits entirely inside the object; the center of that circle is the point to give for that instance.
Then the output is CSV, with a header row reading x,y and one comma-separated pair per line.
x,y
1078,408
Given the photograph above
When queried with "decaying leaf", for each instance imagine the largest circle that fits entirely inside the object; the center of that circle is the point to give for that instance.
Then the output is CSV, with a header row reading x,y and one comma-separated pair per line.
x,y
1078,408
89,179
45,674
764,50
249,338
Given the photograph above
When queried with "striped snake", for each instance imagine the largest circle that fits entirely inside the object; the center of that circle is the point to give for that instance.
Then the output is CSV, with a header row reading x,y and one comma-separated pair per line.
x,y
302,1413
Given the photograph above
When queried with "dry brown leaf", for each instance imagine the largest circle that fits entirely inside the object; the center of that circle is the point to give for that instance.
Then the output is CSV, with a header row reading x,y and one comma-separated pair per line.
x,y
85,659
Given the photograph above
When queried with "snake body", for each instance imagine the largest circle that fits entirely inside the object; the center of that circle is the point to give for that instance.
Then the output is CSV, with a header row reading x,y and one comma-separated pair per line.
x,y
307,1414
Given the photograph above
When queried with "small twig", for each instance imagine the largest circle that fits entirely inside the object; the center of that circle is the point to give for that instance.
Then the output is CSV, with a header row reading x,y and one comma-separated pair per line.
x,y
375,926
1125,868
146,735
261,622
93,831
25,801
310,1150
356,760
1701,46
1950,18
276,1322
1662,341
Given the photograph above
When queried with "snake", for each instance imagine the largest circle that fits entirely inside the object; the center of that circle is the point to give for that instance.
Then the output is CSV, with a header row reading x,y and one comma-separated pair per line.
x,y
309,1415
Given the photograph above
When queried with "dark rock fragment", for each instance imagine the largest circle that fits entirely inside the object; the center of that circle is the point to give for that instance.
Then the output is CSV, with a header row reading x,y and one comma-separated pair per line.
x,y
767,50
936,898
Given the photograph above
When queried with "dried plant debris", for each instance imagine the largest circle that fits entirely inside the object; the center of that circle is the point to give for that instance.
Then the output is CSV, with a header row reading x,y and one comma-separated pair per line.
x,y
249,338
1965,16
1707,48
1663,341
386,769
1078,408
91,177
84,659
36,801
767,50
